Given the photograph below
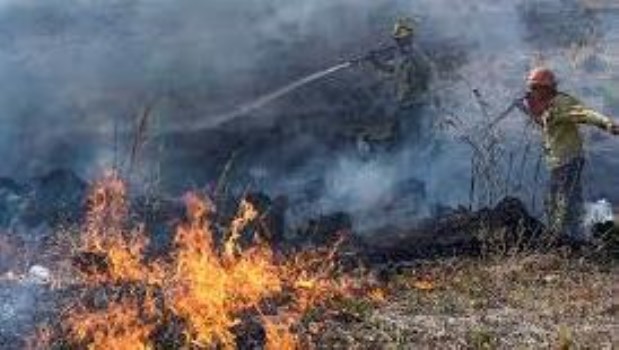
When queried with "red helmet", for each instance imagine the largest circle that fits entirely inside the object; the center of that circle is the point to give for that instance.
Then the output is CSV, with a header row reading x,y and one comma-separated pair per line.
x,y
542,77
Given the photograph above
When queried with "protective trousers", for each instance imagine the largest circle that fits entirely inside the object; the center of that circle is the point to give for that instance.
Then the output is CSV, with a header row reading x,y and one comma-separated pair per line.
x,y
565,202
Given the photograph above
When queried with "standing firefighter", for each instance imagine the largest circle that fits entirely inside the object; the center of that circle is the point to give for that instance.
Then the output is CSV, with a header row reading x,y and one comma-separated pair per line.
x,y
409,70
559,116
405,64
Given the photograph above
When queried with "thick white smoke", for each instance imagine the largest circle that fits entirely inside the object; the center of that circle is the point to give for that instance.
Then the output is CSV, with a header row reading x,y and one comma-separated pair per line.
x,y
77,73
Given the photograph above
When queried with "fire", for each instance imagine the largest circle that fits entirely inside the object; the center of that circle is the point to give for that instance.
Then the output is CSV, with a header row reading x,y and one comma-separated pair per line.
x,y
121,326
208,290
246,214
279,335
108,241
378,295
204,285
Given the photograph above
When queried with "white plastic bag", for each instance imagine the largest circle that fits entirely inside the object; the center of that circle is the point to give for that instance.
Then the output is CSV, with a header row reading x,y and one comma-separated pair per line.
x,y
599,212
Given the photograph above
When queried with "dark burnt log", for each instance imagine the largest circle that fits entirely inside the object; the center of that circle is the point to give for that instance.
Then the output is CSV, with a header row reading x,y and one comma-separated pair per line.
x,y
456,233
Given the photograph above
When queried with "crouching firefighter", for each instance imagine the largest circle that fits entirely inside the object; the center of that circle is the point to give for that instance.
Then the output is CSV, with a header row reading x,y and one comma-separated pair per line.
x,y
409,70
559,115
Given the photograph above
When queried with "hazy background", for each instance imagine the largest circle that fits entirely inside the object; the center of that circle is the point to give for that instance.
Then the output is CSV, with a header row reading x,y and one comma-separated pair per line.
x,y
76,74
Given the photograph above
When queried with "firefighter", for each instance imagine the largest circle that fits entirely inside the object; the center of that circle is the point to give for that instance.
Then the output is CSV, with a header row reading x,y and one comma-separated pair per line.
x,y
405,64
409,70
559,116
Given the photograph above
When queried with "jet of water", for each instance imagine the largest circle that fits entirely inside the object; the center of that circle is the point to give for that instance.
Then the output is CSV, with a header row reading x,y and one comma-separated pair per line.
x,y
212,121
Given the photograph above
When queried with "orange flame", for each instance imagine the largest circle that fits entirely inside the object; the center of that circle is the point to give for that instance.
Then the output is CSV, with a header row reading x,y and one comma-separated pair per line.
x,y
120,326
206,286
207,290
279,335
105,233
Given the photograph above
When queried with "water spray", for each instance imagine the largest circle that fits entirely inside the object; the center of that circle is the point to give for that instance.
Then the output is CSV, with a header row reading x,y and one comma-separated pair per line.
x,y
264,100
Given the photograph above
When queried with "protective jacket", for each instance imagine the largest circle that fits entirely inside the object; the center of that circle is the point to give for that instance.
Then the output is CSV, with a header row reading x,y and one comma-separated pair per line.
x,y
560,121
410,71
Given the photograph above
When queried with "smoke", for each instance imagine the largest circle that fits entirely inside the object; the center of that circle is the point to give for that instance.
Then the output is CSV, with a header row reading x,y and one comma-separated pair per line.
x,y
77,74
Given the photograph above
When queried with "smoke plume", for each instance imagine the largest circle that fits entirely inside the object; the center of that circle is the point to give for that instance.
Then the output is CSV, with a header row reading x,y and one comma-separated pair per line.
x,y
77,75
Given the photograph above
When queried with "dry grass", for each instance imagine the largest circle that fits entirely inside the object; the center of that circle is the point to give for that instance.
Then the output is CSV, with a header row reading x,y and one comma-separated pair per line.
x,y
530,302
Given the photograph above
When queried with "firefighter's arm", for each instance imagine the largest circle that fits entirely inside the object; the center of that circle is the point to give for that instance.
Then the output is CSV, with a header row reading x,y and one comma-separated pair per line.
x,y
381,62
517,104
583,115
381,66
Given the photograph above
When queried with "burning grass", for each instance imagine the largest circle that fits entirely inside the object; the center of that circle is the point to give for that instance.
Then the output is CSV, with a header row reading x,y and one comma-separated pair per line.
x,y
206,293
215,288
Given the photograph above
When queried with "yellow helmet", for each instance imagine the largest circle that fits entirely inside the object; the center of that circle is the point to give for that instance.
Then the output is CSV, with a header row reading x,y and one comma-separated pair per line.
x,y
403,28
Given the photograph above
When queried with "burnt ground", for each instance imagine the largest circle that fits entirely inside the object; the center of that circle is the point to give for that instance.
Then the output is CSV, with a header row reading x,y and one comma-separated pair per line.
x,y
491,278
499,302
522,301
445,290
